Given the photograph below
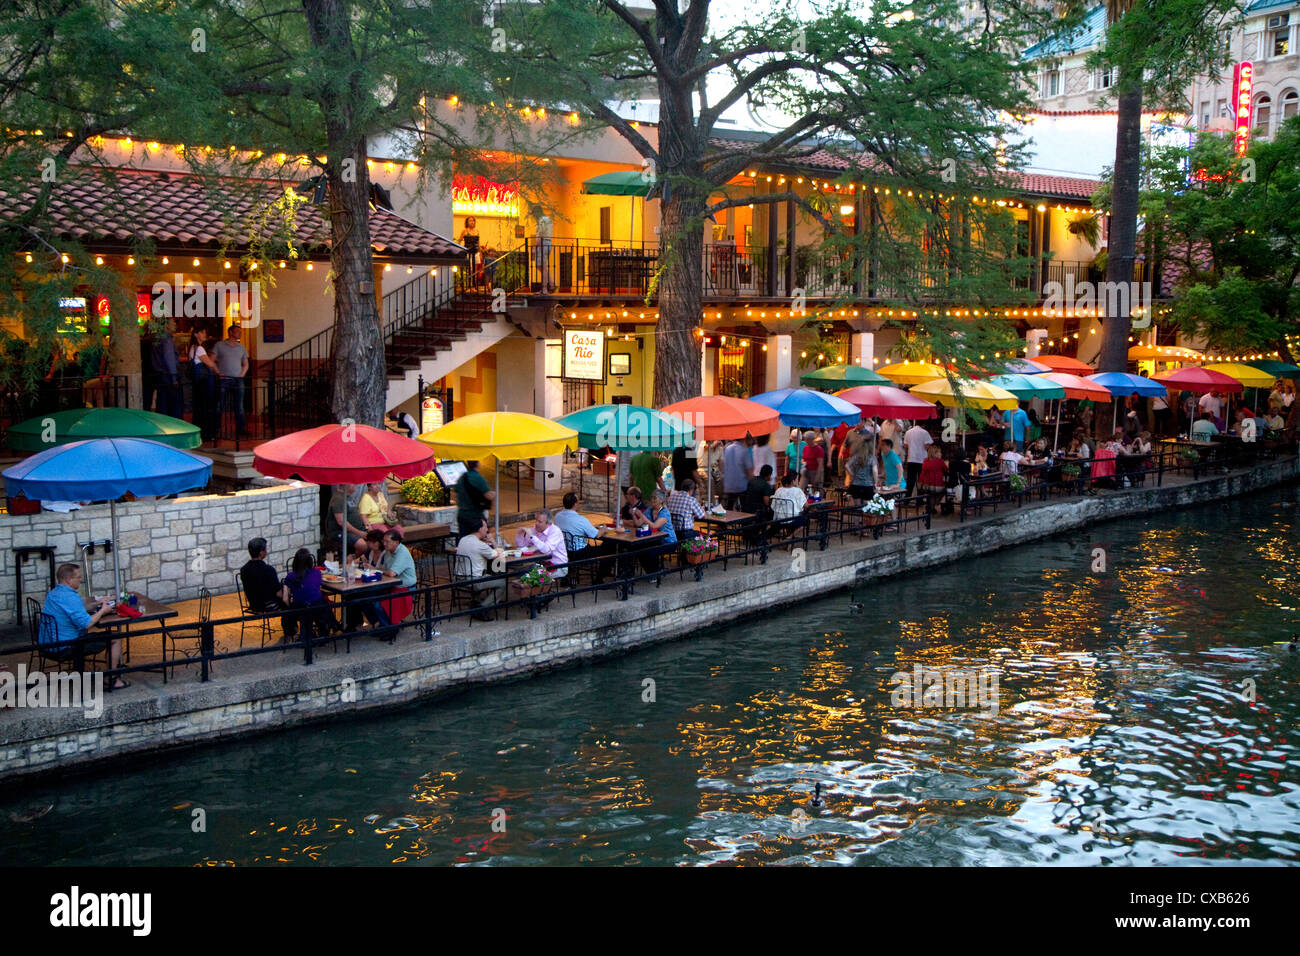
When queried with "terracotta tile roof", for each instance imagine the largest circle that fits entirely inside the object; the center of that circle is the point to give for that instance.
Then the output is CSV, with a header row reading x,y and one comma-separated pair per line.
x,y
94,205
1064,187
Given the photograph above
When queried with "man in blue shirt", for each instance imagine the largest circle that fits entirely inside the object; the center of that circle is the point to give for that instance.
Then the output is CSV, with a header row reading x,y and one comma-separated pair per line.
x,y
577,529
1016,428
893,464
736,471
72,620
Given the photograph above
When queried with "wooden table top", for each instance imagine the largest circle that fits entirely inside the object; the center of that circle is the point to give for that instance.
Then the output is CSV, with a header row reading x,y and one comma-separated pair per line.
x,y
359,587
731,517
150,610
631,537
415,533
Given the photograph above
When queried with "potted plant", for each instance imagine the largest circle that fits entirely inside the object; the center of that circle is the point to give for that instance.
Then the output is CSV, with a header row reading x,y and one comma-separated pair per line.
x,y
1188,457
878,510
1071,471
695,550
1017,483
536,580
422,497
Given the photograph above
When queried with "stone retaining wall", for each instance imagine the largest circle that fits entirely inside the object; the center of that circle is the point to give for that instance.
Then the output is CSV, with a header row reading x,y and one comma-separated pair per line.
x,y
170,548
188,713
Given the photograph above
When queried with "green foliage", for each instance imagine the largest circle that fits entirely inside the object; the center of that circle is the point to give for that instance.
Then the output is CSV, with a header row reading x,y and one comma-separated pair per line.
x,y
425,490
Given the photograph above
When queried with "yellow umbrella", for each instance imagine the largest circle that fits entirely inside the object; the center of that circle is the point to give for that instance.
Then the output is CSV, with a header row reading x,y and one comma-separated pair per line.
x,y
506,436
1245,374
1164,353
976,394
912,373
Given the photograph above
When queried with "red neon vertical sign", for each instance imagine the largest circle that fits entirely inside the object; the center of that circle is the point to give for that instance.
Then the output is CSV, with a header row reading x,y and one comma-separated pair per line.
x,y
1243,77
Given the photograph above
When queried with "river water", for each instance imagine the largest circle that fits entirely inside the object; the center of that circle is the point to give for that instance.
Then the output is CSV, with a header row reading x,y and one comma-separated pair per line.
x,y
1110,719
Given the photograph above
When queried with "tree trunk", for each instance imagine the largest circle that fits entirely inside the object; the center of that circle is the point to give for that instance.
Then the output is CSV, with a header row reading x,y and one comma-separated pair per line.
x,y
357,352
677,347
1122,247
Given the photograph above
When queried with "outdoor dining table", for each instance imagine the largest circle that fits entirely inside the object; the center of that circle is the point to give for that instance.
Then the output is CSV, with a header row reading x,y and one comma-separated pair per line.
x,y
728,525
151,611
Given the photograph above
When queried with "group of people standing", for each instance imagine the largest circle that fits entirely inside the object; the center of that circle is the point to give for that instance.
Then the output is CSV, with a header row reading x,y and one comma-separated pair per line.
x,y
213,368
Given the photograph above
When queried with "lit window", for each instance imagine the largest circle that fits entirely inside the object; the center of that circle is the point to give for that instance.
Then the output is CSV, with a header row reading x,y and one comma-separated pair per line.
x,y
1279,32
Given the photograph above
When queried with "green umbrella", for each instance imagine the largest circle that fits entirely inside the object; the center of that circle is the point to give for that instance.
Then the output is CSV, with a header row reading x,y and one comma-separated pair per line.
x,y
82,424
628,427
833,378
1274,367
622,182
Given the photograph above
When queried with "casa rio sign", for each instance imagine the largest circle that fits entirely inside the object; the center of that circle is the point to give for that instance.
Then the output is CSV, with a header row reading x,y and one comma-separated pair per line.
x,y
476,196
1243,82
584,355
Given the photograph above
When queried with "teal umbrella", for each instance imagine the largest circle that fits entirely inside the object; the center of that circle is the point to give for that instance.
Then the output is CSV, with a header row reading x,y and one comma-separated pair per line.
x,y
627,428
836,377
1026,387
622,182
1274,367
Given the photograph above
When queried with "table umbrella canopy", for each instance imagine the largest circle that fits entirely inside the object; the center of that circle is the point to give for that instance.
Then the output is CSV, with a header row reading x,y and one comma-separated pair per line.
x,y
913,373
887,402
342,455
1199,380
720,417
503,435
1076,387
842,376
622,182
1063,363
1122,383
106,469
1274,367
973,393
85,424
629,426
1026,366
1164,353
1247,375
805,408
1029,386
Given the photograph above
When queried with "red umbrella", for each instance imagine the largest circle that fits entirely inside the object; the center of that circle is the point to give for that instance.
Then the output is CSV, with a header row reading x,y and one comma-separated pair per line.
x,y
1199,380
720,417
343,455
1063,363
887,402
1076,387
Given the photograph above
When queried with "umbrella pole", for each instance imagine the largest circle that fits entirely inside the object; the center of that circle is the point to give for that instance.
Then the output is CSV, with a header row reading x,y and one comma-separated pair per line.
x,y
496,504
117,571
1056,438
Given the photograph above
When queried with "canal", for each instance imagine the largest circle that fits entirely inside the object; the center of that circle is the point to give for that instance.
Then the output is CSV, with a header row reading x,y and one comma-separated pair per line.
x,y
1119,696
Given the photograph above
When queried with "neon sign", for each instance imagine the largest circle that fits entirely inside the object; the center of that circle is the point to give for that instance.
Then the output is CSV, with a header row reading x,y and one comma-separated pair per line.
x,y
476,196
1243,82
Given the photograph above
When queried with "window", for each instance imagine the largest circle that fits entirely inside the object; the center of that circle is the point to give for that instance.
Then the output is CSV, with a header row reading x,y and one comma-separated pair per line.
x,y
1263,106
1205,114
1052,83
1104,78
1223,109
1278,40
1290,104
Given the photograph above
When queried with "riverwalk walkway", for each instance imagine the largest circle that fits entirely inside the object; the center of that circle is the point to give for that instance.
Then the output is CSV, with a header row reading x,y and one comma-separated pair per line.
x,y
265,691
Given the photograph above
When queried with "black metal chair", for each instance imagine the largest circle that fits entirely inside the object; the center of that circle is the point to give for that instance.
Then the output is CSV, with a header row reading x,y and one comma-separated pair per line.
x,y
251,617
463,593
186,633
38,624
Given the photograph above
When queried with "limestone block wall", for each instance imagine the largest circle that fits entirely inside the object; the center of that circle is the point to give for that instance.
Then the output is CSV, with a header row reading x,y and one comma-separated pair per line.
x,y
169,548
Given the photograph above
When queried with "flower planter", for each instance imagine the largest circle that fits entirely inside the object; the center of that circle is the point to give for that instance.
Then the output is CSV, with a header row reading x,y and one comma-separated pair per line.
x,y
697,557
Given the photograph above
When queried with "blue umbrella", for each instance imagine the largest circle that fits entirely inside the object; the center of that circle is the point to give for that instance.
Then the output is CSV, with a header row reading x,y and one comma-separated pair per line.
x,y
106,469
1121,384
805,408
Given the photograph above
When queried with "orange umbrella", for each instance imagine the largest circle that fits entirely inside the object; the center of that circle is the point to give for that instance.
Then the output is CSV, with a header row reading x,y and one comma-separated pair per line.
x,y
719,416
1063,363
1076,387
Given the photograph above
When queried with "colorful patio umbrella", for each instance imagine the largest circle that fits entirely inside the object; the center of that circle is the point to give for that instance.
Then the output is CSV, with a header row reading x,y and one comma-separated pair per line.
x,y
721,417
342,455
887,402
1076,387
912,373
628,427
1164,353
1063,363
506,436
104,470
1026,366
86,424
1274,367
1199,380
1247,375
805,408
834,377
974,393
1026,387
1122,384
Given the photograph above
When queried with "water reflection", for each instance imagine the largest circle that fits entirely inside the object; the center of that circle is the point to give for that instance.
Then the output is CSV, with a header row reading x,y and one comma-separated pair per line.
x,y
1127,730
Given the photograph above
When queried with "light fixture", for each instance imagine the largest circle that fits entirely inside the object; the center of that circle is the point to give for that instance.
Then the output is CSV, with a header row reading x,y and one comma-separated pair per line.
x,y
196,262
99,260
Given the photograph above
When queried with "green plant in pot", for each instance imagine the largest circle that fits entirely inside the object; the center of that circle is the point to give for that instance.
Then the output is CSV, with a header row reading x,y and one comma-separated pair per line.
x,y
427,490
